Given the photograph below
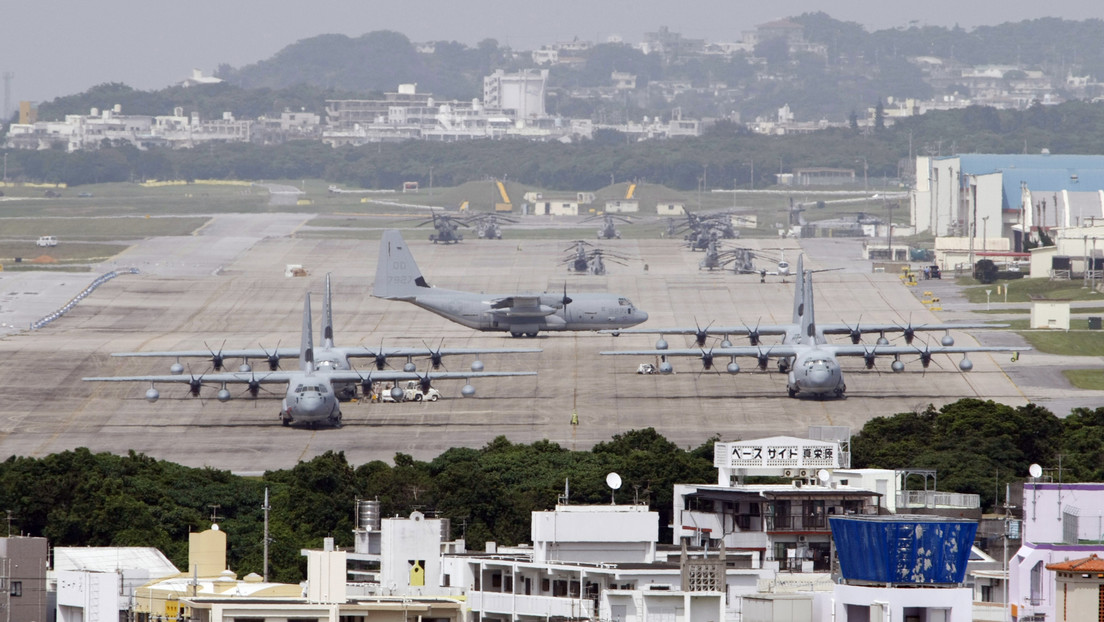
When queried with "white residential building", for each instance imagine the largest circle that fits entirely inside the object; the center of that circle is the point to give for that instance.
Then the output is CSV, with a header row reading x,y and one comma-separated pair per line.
x,y
1060,522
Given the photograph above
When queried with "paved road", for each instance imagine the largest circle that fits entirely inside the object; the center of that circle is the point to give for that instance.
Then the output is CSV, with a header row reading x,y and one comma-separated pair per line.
x,y
227,285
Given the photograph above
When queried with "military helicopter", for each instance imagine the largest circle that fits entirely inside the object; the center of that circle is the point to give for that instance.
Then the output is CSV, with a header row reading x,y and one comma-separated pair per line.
x,y
487,225
447,228
700,229
609,231
590,260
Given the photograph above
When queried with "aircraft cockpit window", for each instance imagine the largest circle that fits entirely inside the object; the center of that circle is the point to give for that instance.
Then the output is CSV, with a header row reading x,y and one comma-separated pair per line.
x,y
624,302
299,388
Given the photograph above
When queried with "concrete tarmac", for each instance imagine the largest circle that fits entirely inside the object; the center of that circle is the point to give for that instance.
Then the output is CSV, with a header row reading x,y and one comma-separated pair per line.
x,y
226,285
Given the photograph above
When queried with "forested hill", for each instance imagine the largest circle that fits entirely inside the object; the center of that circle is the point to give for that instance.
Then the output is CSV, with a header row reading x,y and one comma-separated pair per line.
x,y
374,62
851,71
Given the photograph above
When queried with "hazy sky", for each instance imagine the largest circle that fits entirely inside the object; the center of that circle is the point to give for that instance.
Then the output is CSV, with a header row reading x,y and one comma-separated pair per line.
x,y
60,47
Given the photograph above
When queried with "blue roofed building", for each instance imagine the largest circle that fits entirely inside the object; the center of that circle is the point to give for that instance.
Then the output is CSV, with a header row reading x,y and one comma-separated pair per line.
x,y
994,202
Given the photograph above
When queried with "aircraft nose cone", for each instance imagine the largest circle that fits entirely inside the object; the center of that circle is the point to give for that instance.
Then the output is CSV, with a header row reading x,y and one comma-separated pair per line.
x,y
642,316
309,405
819,376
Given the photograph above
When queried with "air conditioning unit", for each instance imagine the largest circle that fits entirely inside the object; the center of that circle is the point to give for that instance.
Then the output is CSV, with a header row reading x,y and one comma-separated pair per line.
x,y
788,473
801,538
804,473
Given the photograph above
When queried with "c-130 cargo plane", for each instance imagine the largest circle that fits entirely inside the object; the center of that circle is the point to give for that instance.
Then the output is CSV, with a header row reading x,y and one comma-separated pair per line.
x,y
314,389
810,362
398,278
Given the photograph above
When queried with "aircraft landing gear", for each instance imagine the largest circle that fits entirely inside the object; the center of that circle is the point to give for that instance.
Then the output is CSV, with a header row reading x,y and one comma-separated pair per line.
x,y
515,335
792,392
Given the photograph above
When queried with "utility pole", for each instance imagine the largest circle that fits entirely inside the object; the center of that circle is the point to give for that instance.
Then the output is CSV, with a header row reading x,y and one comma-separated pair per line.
x,y
7,94
984,232
266,508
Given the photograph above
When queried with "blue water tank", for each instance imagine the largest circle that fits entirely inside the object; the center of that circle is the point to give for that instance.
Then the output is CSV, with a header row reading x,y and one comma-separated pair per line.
x,y
904,549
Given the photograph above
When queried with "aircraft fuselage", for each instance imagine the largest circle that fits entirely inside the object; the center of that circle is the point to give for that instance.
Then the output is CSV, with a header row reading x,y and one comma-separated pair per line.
x,y
815,372
310,400
586,311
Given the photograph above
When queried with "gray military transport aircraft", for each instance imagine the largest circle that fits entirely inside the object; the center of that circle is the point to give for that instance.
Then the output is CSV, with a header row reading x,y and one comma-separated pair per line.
x,y
328,356
804,354
311,396
398,278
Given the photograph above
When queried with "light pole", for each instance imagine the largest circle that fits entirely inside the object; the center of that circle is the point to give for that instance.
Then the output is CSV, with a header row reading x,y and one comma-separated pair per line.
x,y
752,174
431,181
987,292
984,232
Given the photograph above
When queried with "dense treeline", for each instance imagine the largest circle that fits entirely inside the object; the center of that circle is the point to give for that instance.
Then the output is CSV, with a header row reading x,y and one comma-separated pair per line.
x,y
723,155
976,445
77,498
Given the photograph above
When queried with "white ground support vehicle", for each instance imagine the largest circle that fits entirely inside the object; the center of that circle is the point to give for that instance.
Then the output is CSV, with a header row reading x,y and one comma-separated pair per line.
x,y
47,240
411,393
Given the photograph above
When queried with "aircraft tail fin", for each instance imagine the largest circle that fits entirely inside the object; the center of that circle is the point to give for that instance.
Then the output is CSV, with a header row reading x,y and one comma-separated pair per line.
x,y
808,317
397,275
799,290
327,315
306,346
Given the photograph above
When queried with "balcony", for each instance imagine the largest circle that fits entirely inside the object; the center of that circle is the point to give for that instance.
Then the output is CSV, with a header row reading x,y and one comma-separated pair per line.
x,y
539,606
933,500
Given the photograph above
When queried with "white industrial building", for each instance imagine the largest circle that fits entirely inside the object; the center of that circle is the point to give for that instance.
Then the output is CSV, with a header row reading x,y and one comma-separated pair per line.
x,y
979,196
521,93
96,583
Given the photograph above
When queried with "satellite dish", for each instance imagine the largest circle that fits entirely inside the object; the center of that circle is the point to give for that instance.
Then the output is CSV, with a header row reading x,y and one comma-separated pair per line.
x,y
613,480
823,475
1035,470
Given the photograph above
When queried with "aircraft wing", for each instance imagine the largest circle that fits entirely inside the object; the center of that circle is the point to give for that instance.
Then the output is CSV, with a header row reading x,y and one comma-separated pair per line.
x,y
387,375
215,378
522,306
775,350
765,329
248,353
862,350
285,376
400,352
869,327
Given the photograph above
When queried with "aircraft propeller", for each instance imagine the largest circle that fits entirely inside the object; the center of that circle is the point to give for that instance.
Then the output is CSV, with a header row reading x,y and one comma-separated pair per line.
x,y
762,360
566,300
707,359
701,334
436,359
365,382
753,333
216,357
856,332
272,357
195,384
380,358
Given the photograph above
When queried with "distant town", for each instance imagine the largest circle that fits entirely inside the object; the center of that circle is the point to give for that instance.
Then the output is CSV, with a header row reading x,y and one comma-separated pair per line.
x,y
515,103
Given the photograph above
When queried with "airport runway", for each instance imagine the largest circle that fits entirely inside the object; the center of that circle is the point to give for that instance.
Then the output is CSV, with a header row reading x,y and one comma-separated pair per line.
x,y
227,285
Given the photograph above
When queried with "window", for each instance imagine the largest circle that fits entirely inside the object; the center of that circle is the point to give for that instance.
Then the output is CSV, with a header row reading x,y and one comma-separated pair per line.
x,y
16,588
